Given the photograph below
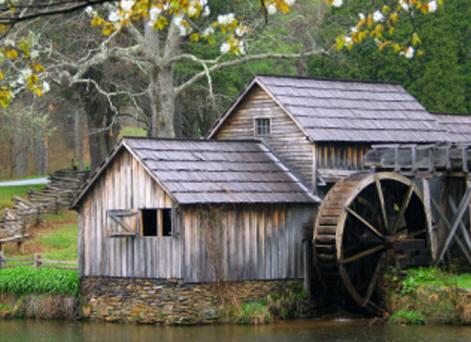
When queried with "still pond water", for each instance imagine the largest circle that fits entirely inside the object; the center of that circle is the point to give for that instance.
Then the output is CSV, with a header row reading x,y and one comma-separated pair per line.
x,y
322,331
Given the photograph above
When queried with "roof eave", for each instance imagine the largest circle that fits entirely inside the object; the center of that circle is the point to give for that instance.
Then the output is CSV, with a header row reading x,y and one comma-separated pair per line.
x,y
241,97
122,144
219,122
94,176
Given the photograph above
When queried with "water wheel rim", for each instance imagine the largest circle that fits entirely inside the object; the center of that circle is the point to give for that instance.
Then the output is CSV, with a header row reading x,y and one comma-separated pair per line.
x,y
361,182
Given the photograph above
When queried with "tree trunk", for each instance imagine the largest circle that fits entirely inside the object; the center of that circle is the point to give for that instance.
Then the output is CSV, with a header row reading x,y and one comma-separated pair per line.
x,y
40,152
163,124
78,144
21,155
102,135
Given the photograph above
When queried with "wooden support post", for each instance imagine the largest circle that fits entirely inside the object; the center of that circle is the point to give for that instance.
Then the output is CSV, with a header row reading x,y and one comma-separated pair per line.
x,y
448,226
19,245
464,231
24,226
396,159
414,158
37,260
456,221
1,258
314,168
464,156
432,238
307,255
57,205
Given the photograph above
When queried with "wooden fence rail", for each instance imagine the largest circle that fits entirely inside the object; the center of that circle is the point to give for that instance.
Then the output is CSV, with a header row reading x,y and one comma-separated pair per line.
x,y
37,261
30,211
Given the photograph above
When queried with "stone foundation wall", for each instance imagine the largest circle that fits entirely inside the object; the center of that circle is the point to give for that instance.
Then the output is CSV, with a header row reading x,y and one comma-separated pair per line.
x,y
169,301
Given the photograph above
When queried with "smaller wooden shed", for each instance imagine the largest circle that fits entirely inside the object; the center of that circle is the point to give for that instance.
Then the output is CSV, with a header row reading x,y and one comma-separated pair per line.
x,y
194,210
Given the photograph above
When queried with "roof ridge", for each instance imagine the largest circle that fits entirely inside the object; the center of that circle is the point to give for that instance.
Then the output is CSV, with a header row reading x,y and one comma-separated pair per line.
x,y
328,79
254,140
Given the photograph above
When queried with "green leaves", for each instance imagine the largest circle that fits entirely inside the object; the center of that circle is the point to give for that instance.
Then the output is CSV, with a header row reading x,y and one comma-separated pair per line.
x,y
27,280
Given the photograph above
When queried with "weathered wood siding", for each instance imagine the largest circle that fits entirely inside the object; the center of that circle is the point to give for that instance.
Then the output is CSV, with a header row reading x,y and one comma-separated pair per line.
x,y
286,139
340,155
125,184
243,242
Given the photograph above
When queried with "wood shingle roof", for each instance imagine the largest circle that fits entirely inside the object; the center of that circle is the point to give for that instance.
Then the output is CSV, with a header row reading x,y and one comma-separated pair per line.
x,y
340,110
203,171
458,127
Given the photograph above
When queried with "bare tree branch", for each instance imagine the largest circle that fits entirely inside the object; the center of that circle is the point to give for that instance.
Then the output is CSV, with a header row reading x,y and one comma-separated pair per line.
x,y
242,60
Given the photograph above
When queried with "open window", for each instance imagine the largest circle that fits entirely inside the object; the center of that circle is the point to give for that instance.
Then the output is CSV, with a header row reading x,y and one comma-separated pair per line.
x,y
262,127
156,222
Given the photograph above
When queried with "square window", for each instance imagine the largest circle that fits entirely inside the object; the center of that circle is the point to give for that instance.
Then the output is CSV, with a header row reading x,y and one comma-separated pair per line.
x,y
156,222
262,127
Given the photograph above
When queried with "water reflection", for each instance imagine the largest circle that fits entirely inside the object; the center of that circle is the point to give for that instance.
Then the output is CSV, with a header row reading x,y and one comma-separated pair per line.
x,y
325,331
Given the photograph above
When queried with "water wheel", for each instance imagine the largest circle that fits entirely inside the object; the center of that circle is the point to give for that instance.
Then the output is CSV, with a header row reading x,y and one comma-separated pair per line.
x,y
367,221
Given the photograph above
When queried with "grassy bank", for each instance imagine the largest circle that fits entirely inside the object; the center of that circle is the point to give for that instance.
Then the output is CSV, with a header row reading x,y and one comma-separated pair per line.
x,y
289,302
429,296
44,292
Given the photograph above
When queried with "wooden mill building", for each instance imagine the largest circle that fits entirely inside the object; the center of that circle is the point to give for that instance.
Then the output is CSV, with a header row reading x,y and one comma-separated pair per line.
x,y
232,207
322,128
142,213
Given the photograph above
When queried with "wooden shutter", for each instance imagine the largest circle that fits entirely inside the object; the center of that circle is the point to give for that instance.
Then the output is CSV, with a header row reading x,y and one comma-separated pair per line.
x,y
122,222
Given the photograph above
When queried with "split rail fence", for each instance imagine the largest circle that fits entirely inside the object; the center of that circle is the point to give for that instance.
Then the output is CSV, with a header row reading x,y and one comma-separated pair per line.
x,y
37,261
26,212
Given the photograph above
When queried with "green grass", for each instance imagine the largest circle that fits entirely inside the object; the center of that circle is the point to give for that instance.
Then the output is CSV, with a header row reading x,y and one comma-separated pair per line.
x,y
434,277
27,280
253,313
132,132
7,192
63,243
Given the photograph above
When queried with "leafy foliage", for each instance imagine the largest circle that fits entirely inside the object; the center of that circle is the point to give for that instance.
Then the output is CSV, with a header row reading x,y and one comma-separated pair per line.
x,y
27,280
440,78
253,313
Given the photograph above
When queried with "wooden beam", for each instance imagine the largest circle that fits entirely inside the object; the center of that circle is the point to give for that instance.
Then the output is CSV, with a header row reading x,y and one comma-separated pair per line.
x,y
464,231
365,222
448,226
432,239
456,221
382,204
402,210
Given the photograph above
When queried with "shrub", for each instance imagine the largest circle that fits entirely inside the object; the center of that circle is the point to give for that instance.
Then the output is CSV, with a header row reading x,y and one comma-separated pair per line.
x,y
253,313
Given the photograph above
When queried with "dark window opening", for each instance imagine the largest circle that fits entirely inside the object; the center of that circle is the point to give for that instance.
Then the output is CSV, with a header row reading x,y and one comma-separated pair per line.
x,y
262,127
156,222
149,222
166,222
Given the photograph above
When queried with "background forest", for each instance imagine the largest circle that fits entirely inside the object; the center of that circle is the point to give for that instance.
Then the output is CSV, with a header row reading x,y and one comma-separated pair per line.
x,y
101,86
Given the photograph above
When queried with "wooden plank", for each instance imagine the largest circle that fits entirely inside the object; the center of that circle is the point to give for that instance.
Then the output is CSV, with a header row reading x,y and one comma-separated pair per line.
x,y
431,236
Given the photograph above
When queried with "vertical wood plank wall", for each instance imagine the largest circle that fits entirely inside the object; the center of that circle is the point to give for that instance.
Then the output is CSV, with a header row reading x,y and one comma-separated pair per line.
x,y
255,242
125,184
341,155
286,139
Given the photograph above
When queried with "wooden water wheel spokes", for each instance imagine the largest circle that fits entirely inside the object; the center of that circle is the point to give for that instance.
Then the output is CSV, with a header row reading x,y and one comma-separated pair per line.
x,y
366,222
